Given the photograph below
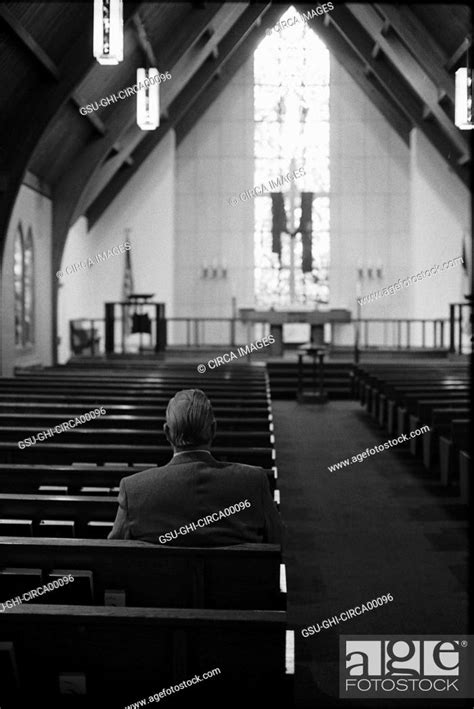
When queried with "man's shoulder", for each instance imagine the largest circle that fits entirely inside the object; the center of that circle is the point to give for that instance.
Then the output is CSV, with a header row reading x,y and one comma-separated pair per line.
x,y
250,472
143,476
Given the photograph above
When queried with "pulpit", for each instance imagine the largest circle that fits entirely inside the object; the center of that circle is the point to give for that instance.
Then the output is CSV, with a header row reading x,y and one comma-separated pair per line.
x,y
147,317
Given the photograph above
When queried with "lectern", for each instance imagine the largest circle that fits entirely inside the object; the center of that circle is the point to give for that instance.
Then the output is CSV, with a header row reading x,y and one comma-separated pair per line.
x,y
317,396
141,322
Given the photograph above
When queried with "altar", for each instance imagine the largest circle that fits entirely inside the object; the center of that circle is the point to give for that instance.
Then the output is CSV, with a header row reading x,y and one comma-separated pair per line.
x,y
316,319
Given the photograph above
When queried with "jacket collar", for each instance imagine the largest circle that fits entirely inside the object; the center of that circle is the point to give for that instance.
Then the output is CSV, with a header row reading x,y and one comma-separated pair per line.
x,y
192,456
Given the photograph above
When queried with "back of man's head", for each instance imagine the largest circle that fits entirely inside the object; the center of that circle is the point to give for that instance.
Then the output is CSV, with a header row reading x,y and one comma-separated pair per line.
x,y
190,419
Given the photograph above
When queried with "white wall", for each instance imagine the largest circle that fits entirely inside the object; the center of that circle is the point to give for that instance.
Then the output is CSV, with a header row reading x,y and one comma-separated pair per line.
x,y
31,210
215,162
370,194
440,214
145,205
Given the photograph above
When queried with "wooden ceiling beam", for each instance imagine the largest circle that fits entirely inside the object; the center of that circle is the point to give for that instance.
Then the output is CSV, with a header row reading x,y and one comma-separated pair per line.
x,y
46,102
343,54
234,40
143,41
456,56
29,42
414,36
183,71
397,88
94,119
75,189
363,75
409,68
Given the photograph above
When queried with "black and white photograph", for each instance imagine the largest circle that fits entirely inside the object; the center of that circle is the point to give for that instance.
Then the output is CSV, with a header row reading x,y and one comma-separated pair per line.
x,y
235,355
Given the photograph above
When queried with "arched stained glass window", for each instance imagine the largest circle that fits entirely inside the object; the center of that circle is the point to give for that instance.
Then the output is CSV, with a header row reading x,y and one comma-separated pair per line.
x,y
291,110
23,279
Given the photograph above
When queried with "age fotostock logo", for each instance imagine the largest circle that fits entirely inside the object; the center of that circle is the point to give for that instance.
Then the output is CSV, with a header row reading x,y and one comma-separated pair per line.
x,y
398,667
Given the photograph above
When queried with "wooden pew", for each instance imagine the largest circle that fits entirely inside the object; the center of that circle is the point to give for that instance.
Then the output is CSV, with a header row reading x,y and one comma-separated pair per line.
x,y
402,410
53,452
125,654
185,374
86,433
157,412
431,444
454,437
20,477
371,379
50,419
79,510
465,475
92,400
391,388
435,414
394,395
163,576
138,389
382,383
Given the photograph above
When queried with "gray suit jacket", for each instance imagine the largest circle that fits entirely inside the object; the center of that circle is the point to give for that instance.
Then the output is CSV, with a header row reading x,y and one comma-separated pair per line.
x,y
190,487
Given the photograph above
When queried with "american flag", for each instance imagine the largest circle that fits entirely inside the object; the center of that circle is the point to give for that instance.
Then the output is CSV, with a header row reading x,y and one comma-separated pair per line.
x,y
128,287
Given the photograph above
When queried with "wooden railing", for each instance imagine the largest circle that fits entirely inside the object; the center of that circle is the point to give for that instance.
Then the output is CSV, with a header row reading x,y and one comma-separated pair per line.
x,y
368,334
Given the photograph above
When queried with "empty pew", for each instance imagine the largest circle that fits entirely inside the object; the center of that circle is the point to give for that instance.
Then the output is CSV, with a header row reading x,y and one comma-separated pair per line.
x,y
452,441
119,655
435,413
158,404
399,409
465,475
140,390
163,576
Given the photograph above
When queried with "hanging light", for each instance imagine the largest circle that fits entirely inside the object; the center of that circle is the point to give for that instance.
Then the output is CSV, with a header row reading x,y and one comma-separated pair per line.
x,y
108,31
463,99
148,99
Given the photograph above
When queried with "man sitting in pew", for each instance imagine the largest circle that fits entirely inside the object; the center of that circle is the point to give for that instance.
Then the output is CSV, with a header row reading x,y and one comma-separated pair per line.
x,y
187,501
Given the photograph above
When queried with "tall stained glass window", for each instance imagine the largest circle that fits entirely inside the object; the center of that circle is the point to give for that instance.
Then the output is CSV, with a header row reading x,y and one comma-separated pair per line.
x,y
23,279
291,108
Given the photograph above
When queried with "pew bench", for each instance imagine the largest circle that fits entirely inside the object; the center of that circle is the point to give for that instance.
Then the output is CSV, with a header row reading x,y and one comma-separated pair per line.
x,y
53,452
422,407
398,392
26,478
435,413
92,400
452,441
86,433
156,413
44,419
116,656
244,576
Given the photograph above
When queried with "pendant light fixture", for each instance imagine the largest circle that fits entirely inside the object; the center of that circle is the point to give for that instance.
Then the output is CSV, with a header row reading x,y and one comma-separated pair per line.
x,y
108,31
148,98
463,99
463,95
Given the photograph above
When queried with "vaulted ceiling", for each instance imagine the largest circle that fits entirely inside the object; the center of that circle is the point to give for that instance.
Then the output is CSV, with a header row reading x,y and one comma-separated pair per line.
x,y
402,56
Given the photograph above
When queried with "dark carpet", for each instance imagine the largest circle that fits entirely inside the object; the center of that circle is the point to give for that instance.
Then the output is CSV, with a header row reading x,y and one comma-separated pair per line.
x,y
372,528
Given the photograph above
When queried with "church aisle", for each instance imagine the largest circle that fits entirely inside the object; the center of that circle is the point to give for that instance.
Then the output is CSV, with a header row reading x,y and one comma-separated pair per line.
x,y
371,528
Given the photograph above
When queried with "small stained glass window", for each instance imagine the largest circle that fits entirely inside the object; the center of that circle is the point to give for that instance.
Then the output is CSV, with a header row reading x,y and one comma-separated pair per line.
x,y
23,284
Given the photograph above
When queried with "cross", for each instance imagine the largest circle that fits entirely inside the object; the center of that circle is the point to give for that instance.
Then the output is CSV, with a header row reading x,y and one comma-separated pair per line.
x,y
292,233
